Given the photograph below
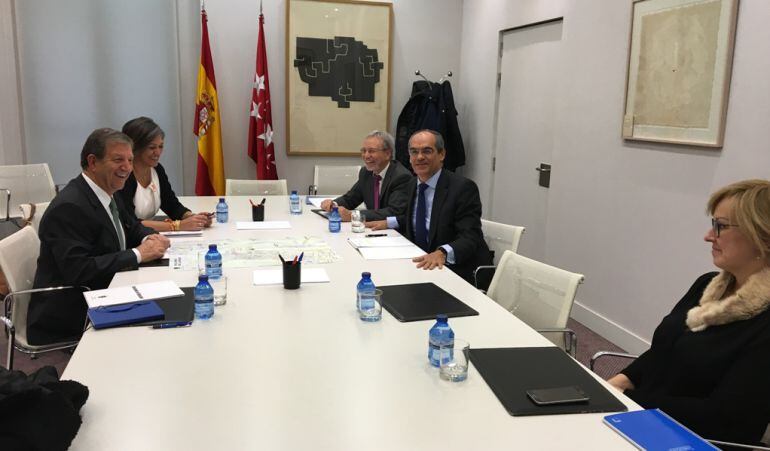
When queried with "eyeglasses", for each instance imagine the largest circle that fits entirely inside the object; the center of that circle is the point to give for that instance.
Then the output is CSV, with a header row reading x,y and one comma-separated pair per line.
x,y
370,150
425,151
717,226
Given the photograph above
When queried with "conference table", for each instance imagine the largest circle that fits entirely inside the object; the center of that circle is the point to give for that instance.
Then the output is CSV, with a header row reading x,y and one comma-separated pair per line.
x,y
296,369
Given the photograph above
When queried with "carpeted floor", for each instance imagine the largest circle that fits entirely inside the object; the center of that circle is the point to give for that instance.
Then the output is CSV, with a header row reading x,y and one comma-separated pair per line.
x,y
588,344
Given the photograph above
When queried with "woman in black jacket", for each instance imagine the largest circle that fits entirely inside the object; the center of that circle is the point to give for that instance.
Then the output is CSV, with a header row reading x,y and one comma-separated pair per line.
x,y
709,362
147,189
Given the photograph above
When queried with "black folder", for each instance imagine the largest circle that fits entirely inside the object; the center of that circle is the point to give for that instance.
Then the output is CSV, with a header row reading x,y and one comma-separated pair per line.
x,y
510,372
175,310
322,213
154,263
421,301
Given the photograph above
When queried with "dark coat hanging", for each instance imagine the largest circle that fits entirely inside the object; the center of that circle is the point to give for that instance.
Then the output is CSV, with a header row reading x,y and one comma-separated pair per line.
x,y
431,106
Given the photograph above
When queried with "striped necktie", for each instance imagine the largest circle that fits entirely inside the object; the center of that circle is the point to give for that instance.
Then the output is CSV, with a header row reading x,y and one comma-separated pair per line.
x,y
116,223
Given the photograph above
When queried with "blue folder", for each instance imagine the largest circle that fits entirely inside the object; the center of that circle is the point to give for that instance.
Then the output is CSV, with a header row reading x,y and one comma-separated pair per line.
x,y
124,314
653,430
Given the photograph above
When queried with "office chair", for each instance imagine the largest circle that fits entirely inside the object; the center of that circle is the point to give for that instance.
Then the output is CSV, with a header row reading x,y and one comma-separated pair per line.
x,y
18,261
235,187
538,294
500,238
32,213
334,180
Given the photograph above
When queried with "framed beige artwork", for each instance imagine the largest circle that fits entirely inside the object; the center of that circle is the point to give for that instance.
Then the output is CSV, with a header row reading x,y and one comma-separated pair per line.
x,y
337,74
679,66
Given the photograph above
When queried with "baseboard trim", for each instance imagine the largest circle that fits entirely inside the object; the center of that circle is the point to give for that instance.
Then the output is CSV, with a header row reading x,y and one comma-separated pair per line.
x,y
608,329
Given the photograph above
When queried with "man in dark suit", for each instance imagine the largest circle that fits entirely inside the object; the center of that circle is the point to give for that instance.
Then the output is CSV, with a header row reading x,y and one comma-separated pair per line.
x,y
443,216
86,236
382,184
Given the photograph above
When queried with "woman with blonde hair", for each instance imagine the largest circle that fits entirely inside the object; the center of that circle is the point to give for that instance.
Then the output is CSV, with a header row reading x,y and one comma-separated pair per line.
x,y
709,362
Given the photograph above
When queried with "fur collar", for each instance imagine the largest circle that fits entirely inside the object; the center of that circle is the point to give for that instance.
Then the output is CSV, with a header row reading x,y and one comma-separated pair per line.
x,y
749,301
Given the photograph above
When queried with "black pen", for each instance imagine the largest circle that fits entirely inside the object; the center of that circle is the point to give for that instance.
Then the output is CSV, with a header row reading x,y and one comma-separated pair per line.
x,y
170,325
375,235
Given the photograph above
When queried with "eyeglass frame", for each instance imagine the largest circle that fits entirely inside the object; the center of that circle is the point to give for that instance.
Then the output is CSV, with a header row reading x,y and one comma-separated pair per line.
x,y
717,226
425,151
371,150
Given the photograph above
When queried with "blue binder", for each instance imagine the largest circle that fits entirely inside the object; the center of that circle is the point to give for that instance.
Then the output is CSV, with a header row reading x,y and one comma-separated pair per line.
x,y
653,430
123,314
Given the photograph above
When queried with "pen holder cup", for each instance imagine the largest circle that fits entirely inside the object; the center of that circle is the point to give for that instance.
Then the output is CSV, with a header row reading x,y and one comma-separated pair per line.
x,y
292,275
258,213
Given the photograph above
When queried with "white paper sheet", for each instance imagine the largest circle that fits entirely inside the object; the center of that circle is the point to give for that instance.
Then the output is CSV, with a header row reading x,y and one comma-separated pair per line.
x,y
123,295
275,276
316,201
380,241
262,225
390,253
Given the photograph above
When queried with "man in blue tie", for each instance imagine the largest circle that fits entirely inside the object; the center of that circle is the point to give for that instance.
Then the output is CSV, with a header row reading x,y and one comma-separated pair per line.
x,y
86,236
443,215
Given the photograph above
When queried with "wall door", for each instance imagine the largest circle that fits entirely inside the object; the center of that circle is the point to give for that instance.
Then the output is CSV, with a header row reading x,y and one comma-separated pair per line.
x,y
529,72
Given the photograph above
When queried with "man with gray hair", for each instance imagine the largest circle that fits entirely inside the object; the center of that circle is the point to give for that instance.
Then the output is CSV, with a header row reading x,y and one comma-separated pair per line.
x,y
86,236
382,183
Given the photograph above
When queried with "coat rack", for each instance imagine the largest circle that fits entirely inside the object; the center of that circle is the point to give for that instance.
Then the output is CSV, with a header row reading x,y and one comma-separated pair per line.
x,y
440,80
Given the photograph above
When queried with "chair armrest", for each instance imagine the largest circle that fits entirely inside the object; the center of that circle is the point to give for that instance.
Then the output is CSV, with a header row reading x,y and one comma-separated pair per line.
x,y
738,445
7,204
482,277
11,333
601,354
570,338
312,190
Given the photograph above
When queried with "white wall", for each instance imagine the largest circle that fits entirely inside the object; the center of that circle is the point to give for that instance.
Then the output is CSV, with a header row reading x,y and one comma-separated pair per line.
x,y
11,142
629,215
425,36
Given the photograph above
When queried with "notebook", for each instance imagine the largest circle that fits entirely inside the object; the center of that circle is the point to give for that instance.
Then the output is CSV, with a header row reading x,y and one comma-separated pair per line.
x,y
510,372
422,301
132,293
654,430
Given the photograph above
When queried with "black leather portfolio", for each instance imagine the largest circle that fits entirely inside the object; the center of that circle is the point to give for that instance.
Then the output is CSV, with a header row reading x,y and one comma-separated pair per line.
x,y
510,372
421,301
175,310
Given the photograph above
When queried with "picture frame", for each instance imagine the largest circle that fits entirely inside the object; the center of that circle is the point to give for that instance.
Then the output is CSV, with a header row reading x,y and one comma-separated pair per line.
x,y
679,66
338,72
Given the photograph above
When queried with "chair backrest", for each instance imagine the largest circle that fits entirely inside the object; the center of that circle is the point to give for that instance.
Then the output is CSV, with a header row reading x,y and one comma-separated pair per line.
x,y
235,187
28,183
335,179
33,213
501,237
18,261
540,295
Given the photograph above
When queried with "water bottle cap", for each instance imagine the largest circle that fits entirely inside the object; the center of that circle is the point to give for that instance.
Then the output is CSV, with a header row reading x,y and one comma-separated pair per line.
x,y
366,274
293,191
212,247
441,317
203,278
335,209
221,199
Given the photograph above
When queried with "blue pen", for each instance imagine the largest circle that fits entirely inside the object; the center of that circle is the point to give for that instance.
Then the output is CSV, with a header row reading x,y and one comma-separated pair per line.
x,y
300,256
174,324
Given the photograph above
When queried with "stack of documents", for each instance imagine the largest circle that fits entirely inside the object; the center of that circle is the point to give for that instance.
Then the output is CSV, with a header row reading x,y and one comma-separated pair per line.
x,y
182,233
389,247
133,293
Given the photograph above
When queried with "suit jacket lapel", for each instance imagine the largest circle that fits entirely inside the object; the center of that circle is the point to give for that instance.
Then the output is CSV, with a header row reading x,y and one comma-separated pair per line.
x,y
388,177
442,189
99,209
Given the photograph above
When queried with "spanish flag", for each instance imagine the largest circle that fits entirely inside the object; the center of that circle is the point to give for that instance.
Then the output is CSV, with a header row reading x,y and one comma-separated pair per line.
x,y
210,179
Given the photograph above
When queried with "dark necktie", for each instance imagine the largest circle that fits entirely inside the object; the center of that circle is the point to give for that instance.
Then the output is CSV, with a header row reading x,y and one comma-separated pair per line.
x,y
116,222
420,232
377,179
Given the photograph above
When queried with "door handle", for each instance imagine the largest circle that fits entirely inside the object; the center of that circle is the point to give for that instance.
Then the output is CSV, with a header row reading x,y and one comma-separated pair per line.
x,y
543,169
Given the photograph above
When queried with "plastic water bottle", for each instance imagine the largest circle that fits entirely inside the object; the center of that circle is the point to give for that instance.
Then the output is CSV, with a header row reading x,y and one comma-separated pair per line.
x,y
213,262
222,213
295,207
335,221
364,291
440,335
204,298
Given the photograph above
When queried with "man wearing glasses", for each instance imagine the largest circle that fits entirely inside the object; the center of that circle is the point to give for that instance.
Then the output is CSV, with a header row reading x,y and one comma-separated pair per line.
x,y
443,216
382,183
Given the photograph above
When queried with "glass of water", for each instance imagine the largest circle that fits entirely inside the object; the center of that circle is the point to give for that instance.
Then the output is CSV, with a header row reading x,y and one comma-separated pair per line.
x,y
220,290
370,307
454,361
357,221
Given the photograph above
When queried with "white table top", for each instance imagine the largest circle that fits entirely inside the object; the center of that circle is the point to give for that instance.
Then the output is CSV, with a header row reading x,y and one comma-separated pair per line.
x,y
295,370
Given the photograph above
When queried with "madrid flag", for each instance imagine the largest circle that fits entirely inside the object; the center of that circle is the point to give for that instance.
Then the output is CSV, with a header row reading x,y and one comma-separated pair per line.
x,y
210,179
261,148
